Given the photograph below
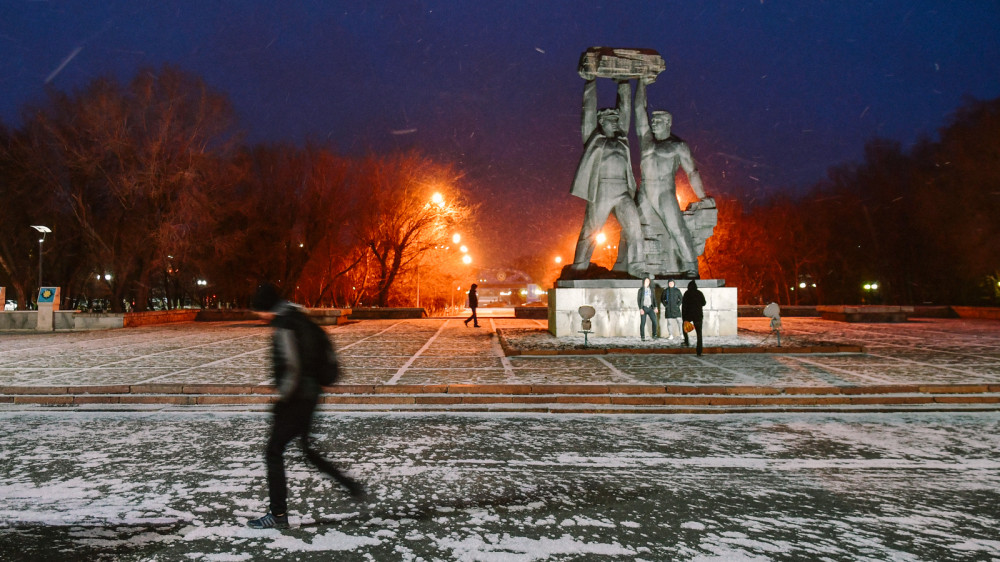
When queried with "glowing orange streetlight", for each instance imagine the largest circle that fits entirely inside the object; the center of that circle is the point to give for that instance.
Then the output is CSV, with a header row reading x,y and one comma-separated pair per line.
x,y
437,199
466,259
600,238
456,238
558,259
464,249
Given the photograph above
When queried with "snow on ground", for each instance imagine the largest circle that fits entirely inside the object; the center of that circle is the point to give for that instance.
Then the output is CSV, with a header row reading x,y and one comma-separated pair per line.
x,y
443,351
179,486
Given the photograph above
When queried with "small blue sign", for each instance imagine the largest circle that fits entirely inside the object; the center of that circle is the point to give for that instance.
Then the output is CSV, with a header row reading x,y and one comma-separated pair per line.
x,y
47,294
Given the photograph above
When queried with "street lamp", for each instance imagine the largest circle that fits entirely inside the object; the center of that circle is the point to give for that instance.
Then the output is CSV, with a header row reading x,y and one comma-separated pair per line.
x,y
871,289
44,230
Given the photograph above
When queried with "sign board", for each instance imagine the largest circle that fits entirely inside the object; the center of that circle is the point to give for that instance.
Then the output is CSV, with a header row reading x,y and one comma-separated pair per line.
x,y
48,295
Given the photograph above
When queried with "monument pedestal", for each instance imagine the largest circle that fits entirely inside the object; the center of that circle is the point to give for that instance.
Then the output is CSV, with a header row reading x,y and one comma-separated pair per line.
x,y
48,304
617,311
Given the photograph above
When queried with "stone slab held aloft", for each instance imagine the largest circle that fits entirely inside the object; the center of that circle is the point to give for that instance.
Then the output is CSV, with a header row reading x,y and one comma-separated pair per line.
x,y
621,63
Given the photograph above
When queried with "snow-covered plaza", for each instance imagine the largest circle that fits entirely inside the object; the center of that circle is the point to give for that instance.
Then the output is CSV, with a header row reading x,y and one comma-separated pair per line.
x,y
166,481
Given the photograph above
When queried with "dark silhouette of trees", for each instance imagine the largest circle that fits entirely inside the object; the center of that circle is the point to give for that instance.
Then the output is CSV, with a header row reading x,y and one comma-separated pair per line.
x,y
289,212
128,163
149,194
921,224
18,249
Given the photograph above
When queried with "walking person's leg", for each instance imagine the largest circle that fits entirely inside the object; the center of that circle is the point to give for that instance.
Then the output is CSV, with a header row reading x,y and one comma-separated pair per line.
x,y
642,324
286,426
697,329
356,490
655,322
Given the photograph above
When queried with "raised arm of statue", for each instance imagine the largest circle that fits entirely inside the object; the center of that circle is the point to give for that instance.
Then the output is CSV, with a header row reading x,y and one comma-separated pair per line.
x,y
694,178
624,105
589,121
642,118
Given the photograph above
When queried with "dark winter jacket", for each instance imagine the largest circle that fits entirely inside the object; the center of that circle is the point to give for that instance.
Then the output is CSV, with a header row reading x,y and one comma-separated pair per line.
x,y
671,299
692,303
473,298
293,359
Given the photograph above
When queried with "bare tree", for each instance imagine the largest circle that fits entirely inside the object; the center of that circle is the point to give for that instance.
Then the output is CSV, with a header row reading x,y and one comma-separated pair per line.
x,y
128,163
411,204
290,209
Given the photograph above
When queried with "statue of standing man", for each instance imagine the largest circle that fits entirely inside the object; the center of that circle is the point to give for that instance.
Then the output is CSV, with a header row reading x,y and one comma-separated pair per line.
x,y
662,154
604,177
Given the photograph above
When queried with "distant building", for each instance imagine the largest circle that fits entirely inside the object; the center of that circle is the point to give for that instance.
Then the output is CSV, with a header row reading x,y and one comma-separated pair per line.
x,y
507,287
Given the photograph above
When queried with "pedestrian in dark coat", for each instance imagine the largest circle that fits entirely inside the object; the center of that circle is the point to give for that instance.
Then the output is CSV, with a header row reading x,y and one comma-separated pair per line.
x,y
295,361
671,300
648,308
692,306
473,304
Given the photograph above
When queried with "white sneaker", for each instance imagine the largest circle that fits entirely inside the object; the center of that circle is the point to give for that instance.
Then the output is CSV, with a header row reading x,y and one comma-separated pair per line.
x,y
670,337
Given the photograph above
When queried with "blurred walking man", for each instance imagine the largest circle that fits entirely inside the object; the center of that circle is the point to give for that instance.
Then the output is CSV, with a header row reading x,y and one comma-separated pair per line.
x,y
302,364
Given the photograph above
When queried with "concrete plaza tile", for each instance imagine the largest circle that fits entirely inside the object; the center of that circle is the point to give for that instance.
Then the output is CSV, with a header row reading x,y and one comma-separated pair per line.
x,y
457,376
704,375
109,376
460,362
378,349
373,362
213,375
554,362
366,376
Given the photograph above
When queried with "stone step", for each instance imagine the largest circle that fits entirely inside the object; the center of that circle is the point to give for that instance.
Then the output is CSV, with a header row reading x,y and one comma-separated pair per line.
x,y
504,389
550,398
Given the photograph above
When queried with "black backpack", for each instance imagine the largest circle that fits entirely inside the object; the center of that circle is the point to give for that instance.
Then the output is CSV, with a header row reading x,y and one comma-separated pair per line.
x,y
324,365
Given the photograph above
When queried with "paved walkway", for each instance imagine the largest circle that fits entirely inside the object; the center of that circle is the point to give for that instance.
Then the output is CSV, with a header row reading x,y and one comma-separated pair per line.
x,y
440,363
178,486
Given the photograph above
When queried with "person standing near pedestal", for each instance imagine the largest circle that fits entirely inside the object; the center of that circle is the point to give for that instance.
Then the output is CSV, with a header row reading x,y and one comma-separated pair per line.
x,y
473,304
647,309
692,310
671,299
604,179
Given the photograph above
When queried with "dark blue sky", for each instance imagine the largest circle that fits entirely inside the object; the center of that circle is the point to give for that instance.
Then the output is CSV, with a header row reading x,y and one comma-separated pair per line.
x,y
768,94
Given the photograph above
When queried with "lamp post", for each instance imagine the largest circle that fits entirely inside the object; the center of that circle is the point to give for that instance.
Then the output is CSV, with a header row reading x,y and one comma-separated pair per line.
x,y
43,230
